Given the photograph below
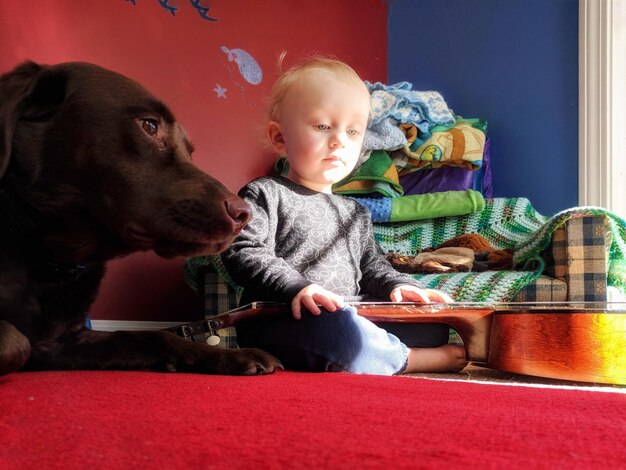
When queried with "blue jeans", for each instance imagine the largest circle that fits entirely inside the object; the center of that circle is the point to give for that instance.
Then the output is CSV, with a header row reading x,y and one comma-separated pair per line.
x,y
339,341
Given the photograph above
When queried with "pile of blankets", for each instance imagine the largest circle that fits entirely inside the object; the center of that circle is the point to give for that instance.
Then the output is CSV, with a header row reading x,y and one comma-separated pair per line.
x,y
413,131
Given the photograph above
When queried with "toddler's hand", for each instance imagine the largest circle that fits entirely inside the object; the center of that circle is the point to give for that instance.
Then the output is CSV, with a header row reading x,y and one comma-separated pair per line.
x,y
311,296
409,293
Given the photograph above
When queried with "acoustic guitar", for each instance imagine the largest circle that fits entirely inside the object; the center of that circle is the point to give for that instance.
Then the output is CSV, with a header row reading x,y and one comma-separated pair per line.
x,y
583,341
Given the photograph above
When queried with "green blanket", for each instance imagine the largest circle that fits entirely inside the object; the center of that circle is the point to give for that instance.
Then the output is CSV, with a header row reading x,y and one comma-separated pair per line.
x,y
423,206
506,223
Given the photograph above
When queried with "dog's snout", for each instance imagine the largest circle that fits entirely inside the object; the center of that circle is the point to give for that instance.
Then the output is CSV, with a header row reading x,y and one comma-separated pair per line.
x,y
239,211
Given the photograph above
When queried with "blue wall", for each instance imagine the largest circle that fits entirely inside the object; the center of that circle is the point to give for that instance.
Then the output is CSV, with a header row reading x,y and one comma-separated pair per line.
x,y
512,62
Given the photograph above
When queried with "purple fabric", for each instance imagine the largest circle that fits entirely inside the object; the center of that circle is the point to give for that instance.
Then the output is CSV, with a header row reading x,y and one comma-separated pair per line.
x,y
451,178
487,181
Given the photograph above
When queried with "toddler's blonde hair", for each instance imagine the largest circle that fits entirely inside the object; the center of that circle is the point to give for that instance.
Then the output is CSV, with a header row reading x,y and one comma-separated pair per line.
x,y
288,79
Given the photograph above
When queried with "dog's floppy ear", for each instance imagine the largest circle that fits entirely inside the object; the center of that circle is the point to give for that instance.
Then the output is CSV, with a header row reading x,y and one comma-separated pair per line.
x,y
30,91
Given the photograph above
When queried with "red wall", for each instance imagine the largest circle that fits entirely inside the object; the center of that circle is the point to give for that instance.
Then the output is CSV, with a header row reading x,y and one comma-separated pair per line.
x,y
180,59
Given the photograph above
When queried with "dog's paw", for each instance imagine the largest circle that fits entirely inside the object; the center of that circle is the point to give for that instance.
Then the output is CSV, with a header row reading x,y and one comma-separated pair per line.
x,y
14,348
250,361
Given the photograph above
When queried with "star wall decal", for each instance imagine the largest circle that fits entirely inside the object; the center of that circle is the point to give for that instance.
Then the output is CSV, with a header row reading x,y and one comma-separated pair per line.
x,y
221,92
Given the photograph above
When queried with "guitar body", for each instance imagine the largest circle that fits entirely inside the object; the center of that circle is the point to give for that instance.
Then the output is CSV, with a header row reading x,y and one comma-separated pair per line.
x,y
583,342
585,346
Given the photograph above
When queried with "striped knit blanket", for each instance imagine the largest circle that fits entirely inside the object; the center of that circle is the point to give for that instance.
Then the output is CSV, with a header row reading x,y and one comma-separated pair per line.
x,y
506,223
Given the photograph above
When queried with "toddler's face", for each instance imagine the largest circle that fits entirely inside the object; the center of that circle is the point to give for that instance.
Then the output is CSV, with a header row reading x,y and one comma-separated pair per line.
x,y
322,127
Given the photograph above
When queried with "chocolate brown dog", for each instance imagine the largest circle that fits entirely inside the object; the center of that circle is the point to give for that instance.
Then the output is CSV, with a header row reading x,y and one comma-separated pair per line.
x,y
93,167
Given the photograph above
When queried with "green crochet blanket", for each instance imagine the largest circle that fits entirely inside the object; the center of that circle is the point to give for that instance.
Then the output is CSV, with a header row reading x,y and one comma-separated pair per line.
x,y
505,222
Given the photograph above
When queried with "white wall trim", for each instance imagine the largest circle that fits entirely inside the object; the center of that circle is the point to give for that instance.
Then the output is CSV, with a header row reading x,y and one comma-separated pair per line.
x,y
594,99
602,99
618,107
123,325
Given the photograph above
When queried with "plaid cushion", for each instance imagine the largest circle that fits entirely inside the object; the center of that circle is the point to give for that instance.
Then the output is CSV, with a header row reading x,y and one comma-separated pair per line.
x,y
219,297
543,289
578,256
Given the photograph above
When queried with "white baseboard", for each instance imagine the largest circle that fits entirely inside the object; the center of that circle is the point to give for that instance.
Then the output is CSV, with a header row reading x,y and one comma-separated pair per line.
x,y
123,325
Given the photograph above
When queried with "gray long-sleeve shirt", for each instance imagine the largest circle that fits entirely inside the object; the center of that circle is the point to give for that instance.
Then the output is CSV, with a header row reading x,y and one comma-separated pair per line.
x,y
298,236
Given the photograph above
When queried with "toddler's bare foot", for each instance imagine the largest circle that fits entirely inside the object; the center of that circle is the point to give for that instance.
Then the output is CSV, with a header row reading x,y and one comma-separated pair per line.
x,y
446,358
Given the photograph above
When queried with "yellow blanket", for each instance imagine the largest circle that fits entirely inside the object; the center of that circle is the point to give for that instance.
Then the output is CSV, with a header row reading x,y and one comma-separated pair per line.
x,y
462,145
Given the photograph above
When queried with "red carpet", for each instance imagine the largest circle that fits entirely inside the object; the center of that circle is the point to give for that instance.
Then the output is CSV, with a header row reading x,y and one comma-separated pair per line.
x,y
290,420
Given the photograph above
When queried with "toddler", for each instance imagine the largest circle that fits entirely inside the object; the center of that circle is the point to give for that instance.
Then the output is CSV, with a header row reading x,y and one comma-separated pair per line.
x,y
315,250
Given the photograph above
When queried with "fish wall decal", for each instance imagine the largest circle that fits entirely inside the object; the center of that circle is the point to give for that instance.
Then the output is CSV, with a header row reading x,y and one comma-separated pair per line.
x,y
248,67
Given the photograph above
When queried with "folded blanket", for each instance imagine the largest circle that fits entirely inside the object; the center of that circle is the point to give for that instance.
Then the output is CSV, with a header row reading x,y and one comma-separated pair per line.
x,y
423,206
376,175
404,105
398,104
462,144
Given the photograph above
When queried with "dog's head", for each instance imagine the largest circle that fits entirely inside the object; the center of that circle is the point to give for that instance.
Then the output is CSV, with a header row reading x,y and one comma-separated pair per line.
x,y
107,167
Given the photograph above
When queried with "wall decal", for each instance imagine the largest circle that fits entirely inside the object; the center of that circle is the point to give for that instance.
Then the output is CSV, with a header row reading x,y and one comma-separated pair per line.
x,y
248,67
171,8
220,91
202,10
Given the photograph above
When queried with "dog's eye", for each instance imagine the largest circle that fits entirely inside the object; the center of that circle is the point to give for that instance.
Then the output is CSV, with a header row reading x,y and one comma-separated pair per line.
x,y
150,126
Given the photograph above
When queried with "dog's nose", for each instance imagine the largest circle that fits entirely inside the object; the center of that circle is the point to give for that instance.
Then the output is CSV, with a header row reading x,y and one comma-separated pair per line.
x,y
239,211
